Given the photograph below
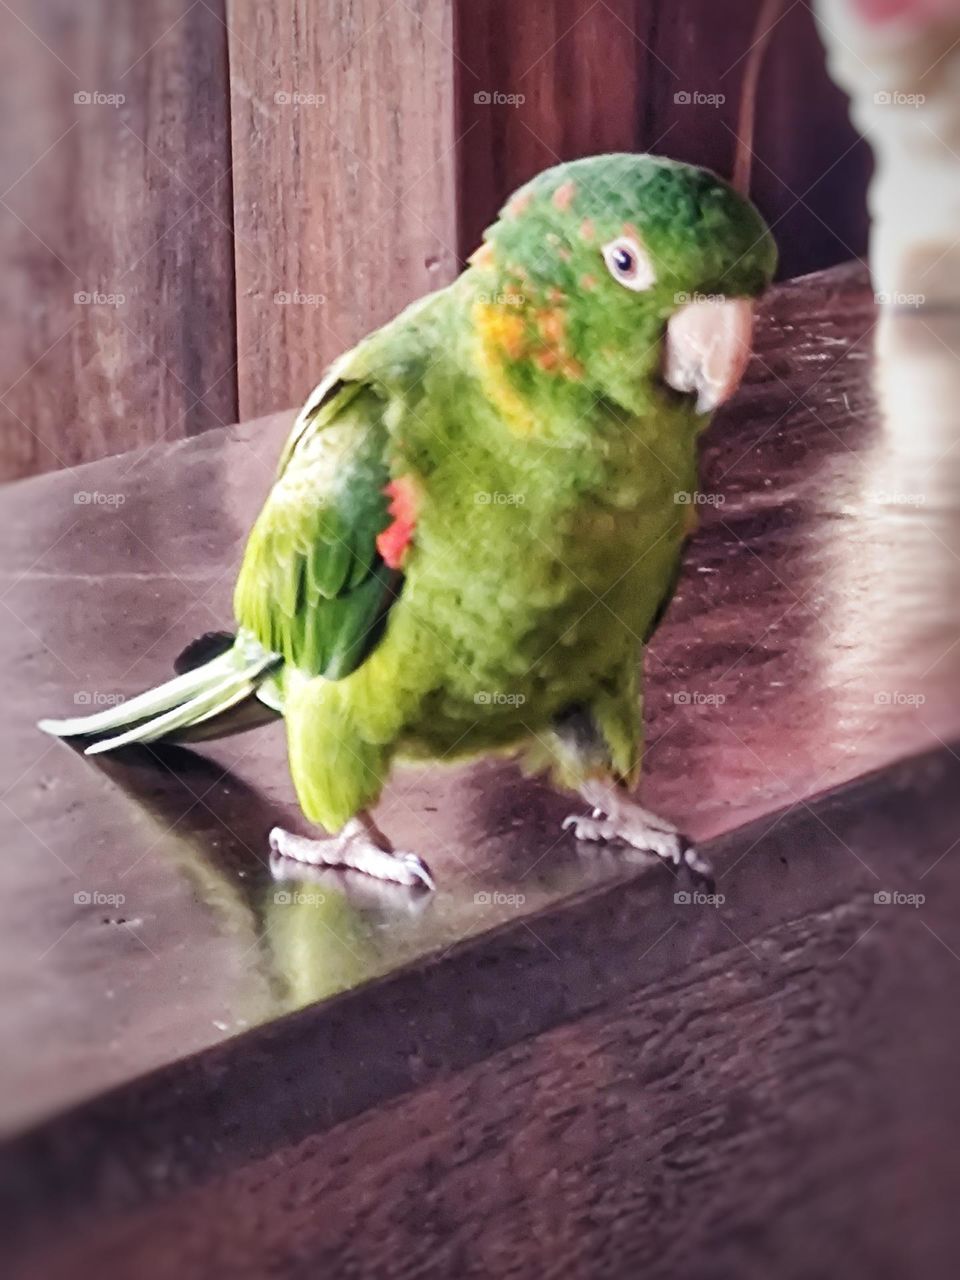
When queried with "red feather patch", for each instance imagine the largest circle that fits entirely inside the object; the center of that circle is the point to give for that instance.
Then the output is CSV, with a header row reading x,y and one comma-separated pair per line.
x,y
394,542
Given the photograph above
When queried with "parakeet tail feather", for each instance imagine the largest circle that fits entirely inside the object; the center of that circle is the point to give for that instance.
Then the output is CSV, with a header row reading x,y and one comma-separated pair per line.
x,y
208,701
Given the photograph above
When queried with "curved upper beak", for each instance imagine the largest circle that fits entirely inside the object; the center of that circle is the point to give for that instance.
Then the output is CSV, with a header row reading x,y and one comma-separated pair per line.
x,y
707,349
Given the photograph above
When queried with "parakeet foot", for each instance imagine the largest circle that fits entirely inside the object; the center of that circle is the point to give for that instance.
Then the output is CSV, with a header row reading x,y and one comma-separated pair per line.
x,y
617,818
357,846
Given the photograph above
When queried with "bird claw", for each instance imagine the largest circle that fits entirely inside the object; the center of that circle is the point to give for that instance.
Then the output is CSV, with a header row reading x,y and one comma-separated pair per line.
x,y
596,829
645,834
352,849
417,870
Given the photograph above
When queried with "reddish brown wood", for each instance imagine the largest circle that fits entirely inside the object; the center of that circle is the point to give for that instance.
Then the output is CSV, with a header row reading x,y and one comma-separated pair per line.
x,y
639,75
597,1080
128,203
570,79
770,1092
343,140
810,168
364,199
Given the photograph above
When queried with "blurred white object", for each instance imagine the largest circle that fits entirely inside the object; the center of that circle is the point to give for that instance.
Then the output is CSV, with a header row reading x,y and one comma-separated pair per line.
x,y
900,62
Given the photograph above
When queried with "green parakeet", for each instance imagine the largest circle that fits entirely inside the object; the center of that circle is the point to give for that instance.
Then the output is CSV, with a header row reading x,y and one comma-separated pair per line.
x,y
475,525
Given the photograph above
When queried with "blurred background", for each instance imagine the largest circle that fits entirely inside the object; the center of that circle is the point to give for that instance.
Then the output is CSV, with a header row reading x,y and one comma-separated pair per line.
x,y
205,201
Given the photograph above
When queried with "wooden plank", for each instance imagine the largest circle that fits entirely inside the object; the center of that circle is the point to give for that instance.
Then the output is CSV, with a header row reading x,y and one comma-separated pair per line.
x,y
343,137
538,83
810,168
123,201
629,1086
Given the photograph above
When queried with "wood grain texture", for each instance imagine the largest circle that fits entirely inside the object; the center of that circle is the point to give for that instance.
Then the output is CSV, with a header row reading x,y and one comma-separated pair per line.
x,y
810,169
767,1089
647,76
354,155
539,83
343,140
129,200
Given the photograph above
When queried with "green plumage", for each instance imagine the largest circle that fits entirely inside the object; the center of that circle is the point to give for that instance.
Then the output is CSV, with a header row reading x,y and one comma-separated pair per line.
x,y
539,452
312,587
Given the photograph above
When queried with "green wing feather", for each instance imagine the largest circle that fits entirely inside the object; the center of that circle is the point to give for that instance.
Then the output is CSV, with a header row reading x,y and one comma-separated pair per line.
x,y
313,586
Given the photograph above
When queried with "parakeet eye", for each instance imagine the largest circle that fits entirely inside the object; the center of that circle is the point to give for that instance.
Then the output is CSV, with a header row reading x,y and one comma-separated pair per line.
x,y
629,264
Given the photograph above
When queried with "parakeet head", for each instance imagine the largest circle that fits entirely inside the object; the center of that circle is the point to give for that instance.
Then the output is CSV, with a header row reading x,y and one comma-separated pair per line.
x,y
630,276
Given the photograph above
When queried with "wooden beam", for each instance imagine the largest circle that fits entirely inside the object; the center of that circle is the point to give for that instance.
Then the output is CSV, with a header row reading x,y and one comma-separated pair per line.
x,y
539,83
343,136
115,229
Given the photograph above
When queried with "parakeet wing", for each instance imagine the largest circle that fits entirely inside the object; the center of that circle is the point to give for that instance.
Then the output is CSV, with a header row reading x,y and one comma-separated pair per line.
x,y
313,586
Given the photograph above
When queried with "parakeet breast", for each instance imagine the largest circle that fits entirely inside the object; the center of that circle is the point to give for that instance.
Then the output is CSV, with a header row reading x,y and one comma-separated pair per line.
x,y
538,571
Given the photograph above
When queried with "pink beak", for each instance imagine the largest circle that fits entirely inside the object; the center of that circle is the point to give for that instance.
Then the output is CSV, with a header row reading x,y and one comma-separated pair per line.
x,y
708,346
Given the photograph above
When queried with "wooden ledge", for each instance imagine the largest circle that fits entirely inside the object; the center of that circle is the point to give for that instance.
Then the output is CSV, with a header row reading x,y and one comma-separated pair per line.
x,y
207,1077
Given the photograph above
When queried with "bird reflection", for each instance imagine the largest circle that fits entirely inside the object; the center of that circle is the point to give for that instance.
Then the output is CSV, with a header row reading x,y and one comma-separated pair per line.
x,y
306,938
290,943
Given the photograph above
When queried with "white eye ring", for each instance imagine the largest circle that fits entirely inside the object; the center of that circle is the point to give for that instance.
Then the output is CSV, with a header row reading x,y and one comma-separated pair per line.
x,y
629,264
